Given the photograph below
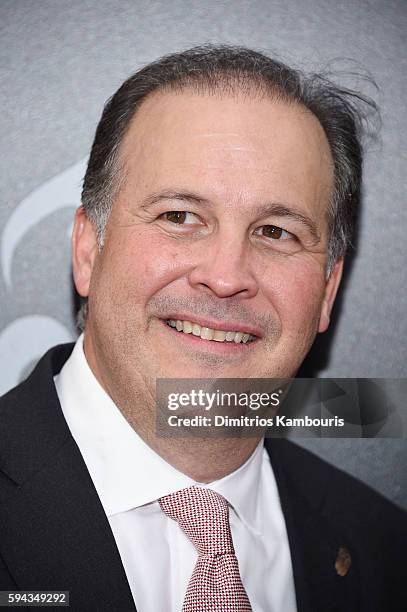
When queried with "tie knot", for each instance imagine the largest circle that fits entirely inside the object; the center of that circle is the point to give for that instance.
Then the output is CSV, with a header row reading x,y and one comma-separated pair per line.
x,y
203,515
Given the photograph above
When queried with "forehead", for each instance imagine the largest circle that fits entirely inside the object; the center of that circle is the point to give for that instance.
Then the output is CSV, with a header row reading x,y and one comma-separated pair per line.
x,y
229,145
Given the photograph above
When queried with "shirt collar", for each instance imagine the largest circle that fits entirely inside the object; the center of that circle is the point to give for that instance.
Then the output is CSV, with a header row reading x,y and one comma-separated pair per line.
x,y
242,488
126,472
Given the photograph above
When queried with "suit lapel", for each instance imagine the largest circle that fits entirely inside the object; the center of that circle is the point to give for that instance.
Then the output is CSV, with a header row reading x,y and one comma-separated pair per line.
x,y
54,533
315,541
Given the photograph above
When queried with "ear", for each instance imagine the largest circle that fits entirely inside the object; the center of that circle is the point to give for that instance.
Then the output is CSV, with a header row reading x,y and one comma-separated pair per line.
x,y
331,289
84,251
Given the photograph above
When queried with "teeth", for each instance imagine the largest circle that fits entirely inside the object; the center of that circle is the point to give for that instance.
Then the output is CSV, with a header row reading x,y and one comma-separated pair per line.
x,y
196,329
206,333
219,336
187,327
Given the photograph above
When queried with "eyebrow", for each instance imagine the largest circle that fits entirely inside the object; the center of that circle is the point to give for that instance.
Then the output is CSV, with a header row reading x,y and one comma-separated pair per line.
x,y
181,196
265,210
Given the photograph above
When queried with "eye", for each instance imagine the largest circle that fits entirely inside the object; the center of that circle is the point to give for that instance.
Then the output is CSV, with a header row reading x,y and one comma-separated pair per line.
x,y
275,232
180,217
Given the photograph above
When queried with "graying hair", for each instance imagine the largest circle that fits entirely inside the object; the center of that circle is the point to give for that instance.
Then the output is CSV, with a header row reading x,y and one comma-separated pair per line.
x,y
229,69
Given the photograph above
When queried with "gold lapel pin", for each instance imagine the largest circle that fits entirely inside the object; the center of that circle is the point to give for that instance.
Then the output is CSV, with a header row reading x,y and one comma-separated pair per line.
x,y
343,561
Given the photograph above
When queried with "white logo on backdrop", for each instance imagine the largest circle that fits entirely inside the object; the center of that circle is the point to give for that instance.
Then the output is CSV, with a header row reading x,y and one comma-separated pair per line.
x,y
26,338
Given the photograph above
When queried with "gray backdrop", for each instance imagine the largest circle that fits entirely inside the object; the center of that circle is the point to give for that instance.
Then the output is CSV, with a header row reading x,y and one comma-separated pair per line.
x,y
59,63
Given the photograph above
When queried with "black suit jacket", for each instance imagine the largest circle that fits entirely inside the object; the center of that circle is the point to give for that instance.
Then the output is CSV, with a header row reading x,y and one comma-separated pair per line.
x,y
54,533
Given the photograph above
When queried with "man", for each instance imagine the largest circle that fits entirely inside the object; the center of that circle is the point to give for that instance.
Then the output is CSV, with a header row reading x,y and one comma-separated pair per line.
x,y
218,198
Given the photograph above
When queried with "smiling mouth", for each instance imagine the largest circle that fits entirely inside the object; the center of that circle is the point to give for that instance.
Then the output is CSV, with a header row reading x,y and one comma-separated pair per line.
x,y
206,333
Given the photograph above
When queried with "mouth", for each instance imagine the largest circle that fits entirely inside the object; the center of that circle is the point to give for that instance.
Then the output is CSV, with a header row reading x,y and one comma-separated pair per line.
x,y
226,336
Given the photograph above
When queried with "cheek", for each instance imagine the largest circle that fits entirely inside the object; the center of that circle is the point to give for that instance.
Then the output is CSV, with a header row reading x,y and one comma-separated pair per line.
x,y
141,264
297,294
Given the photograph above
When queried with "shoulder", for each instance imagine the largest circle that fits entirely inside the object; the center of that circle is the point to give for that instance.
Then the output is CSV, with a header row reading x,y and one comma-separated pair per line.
x,y
327,486
31,419
38,382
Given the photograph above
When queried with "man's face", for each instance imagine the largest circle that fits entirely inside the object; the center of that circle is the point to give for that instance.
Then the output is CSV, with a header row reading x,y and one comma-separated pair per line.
x,y
222,224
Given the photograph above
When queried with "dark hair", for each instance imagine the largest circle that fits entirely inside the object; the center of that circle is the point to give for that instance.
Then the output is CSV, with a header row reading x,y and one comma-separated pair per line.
x,y
229,69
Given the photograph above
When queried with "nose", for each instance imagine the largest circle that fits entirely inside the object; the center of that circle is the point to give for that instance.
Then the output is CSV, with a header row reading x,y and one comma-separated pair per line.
x,y
224,269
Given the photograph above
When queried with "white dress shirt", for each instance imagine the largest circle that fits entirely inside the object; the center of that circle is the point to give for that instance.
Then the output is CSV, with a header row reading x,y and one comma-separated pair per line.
x,y
129,477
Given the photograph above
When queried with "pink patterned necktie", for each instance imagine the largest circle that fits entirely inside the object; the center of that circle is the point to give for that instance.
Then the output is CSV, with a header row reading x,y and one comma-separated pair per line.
x,y
215,584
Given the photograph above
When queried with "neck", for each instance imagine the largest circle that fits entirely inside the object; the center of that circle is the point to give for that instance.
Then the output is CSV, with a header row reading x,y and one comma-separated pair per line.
x,y
204,459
